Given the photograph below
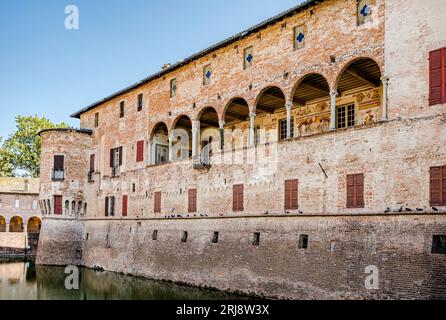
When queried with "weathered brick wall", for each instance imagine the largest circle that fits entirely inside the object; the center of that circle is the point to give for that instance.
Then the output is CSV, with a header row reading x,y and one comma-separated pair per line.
x,y
333,266
61,242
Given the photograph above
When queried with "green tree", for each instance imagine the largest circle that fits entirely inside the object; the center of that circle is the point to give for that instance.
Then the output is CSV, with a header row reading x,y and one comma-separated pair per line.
x,y
21,150
6,168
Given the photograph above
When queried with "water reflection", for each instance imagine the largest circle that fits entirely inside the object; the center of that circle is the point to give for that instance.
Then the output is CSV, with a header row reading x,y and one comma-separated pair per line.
x,y
23,280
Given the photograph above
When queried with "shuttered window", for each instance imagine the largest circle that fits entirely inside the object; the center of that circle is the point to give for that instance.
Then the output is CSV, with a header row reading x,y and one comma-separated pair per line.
x,y
438,186
140,102
58,163
437,77
109,206
124,205
355,191
92,161
122,109
157,202
140,151
192,201
291,194
57,205
116,159
238,201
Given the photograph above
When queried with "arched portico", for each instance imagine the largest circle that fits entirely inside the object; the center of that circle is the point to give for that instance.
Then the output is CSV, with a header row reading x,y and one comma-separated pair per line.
x,y
159,144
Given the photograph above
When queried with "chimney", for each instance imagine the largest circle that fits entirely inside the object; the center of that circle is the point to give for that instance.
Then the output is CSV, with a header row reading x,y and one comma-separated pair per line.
x,y
166,66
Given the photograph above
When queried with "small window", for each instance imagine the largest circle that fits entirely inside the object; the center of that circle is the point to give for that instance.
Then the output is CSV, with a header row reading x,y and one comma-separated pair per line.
x,y
34,205
439,245
96,119
248,58
133,187
299,37
58,168
207,74
346,116
140,151
238,201
140,102
157,202
173,88
184,237
364,11
125,203
355,191
303,241
110,206
192,203
291,194
122,109
17,204
215,237
155,235
256,239
57,205
283,128
437,77
438,186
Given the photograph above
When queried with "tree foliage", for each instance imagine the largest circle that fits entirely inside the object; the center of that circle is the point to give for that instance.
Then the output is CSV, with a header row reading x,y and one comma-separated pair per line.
x,y
20,153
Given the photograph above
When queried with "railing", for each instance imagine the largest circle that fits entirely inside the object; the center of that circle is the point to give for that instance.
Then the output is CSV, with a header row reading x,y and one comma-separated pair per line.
x,y
58,175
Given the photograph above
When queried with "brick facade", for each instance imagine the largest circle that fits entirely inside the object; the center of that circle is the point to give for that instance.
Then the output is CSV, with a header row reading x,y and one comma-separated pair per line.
x,y
337,105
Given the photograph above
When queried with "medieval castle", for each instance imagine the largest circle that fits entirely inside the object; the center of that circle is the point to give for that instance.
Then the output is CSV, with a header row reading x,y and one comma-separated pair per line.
x,y
287,161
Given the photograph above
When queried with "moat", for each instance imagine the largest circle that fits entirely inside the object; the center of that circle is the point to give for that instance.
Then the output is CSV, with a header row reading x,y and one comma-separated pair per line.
x,y
23,280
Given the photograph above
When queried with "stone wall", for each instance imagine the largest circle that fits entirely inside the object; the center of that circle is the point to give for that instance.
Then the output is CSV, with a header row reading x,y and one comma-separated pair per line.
x,y
12,244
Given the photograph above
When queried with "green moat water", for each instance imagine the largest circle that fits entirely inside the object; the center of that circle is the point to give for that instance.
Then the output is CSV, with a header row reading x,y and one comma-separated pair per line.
x,y
23,280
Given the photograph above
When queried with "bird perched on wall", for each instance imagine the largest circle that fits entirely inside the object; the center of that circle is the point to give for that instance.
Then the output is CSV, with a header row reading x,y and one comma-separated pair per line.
x,y
435,209
401,209
408,210
301,212
387,210
266,213
419,210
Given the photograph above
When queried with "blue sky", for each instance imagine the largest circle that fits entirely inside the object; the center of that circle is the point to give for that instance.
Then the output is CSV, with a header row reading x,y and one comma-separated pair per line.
x,y
53,72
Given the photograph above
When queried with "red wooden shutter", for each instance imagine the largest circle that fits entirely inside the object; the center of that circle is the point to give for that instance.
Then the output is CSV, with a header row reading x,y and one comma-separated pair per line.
x,y
106,206
437,77
92,161
140,151
351,191
291,194
58,205
238,201
192,201
443,187
157,204
437,183
112,158
288,187
355,191
359,191
124,205
120,156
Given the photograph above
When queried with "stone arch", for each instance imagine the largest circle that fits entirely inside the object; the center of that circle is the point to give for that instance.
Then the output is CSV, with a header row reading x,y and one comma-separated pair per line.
x,y
311,101
73,208
79,207
33,225
181,134
365,70
270,99
209,132
16,224
159,144
2,224
67,207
